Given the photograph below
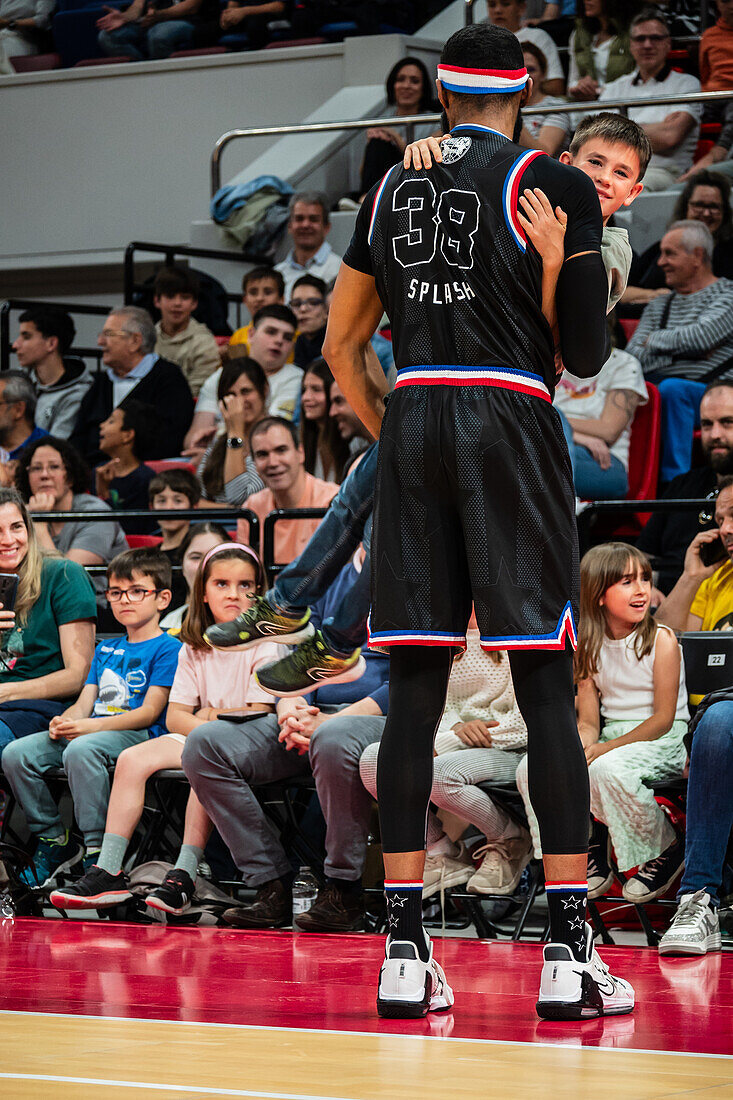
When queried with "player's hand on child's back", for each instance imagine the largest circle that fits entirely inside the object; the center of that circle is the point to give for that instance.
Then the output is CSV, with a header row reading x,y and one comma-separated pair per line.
x,y
544,226
422,153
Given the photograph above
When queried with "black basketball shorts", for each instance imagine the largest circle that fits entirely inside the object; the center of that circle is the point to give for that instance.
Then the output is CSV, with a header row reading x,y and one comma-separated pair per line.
x,y
474,504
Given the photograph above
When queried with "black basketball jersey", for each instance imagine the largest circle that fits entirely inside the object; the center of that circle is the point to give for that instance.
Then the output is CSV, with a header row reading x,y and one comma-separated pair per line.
x,y
460,282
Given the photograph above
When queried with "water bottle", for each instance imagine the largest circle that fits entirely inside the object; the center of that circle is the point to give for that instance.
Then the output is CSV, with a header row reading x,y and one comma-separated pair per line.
x,y
305,890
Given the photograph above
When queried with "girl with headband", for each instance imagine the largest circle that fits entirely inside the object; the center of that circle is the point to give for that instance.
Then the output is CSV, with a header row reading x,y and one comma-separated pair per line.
x,y
208,684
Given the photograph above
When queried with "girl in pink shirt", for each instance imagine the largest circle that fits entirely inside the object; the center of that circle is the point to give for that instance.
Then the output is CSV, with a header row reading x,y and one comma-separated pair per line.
x,y
208,684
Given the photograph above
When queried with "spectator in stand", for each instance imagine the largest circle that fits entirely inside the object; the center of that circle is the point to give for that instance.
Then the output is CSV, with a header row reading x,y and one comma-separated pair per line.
x,y
280,462
716,51
719,157
673,131
227,471
309,304
150,29
262,286
22,25
695,928
706,199
548,132
350,428
131,365
599,47
686,338
52,477
174,488
702,598
270,344
510,14
122,703
668,534
409,92
325,451
308,225
201,538
323,735
123,482
44,339
181,338
597,416
252,17
17,410
47,640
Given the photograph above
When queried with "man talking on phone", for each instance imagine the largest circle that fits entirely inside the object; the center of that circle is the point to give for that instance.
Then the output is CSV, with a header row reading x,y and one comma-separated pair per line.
x,y
702,599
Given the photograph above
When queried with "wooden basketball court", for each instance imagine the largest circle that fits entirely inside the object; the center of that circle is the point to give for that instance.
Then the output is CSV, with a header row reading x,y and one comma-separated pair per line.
x,y
97,1009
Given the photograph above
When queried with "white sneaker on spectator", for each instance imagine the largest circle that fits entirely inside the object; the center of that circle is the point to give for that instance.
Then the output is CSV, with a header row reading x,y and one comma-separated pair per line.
x,y
695,928
443,871
502,865
573,990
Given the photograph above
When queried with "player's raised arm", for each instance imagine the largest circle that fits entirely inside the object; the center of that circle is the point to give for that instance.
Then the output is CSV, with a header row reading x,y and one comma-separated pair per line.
x,y
352,321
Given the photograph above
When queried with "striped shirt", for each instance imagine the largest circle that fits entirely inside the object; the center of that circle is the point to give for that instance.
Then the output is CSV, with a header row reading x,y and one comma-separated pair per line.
x,y
697,337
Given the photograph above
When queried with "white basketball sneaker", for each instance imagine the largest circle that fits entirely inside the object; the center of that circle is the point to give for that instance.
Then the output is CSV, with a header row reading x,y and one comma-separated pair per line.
x,y
408,987
572,990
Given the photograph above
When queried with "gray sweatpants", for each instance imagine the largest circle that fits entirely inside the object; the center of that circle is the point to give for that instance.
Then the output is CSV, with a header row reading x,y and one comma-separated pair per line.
x,y
85,761
223,761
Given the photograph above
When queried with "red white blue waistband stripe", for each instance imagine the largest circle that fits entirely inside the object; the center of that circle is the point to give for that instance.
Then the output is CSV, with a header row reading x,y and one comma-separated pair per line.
x,y
378,199
506,378
565,887
414,637
510,194
481,81
565,629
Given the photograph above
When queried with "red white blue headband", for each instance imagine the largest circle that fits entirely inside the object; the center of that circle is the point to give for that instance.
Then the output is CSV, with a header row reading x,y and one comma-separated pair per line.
x,y
481,81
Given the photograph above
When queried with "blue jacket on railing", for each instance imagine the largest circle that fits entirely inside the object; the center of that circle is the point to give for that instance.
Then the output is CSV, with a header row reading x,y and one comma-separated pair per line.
x,y
235,195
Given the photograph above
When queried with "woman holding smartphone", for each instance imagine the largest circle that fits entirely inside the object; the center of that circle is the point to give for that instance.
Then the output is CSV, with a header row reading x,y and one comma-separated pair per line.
x,y
47,635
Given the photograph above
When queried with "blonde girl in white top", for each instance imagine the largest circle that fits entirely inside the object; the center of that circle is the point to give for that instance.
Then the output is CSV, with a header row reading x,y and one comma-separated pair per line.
x,y
632,717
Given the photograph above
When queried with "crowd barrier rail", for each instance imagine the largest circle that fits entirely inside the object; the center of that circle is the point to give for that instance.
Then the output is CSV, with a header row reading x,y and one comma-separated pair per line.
x,y
410,121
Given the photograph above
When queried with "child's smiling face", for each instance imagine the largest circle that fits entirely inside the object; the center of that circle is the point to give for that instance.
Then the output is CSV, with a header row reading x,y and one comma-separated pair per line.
x,y
614,169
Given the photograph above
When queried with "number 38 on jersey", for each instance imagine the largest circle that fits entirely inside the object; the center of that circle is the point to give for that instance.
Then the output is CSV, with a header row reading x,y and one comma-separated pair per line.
x,y
448,224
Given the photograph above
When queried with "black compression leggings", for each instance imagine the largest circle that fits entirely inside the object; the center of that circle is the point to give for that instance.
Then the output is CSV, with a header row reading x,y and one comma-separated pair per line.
x,y
558,773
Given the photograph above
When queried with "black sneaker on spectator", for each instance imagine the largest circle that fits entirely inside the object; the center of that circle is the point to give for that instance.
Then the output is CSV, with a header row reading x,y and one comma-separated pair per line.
x,y
600,872
97,889
334,910
174,893
695,928
655,876
271,908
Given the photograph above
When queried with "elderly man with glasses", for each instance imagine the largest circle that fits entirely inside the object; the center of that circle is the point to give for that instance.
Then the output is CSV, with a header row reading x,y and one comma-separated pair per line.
x,y
132,366
672,129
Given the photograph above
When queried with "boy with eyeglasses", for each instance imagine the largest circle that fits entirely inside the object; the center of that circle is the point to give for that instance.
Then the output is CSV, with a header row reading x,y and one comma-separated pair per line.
x,y
122,703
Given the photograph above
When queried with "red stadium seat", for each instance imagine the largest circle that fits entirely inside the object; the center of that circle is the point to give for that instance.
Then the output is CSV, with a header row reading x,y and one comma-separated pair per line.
x,y
644,452
88,61
36,63
628,324
136,542
704,146
222,341
160,465
211,50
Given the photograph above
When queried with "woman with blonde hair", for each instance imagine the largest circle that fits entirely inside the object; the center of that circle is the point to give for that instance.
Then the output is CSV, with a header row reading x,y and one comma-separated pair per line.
x,y
47,626
632,717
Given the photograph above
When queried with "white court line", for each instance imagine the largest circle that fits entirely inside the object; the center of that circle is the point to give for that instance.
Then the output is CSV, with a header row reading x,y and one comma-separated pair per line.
x,y
560,1045
157,1087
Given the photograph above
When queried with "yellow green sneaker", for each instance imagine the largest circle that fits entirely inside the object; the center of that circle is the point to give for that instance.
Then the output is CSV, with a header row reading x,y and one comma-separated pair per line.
x,y
308,667
259,623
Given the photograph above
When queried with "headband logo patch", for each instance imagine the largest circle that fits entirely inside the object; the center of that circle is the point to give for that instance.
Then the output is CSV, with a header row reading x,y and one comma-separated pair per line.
x,y
453,148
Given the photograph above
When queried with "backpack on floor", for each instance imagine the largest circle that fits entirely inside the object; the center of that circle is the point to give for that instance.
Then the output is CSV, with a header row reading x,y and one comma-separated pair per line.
x,y
207,905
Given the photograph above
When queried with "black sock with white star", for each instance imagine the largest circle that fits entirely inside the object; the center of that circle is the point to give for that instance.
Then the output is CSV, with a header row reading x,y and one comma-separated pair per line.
x,y
404,914
566,902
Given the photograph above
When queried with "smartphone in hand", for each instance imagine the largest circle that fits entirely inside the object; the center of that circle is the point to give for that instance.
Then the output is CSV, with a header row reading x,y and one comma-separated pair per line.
x,y
713,552
8,590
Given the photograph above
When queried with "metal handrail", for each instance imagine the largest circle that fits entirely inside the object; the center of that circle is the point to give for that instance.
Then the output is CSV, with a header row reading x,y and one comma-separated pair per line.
x,y
272,567
413,120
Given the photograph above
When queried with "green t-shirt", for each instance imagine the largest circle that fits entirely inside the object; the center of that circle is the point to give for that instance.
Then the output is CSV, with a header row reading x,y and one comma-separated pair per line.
x,y
34,649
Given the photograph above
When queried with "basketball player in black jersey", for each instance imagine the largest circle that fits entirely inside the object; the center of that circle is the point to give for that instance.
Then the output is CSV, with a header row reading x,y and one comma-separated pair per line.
x,y
474,500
